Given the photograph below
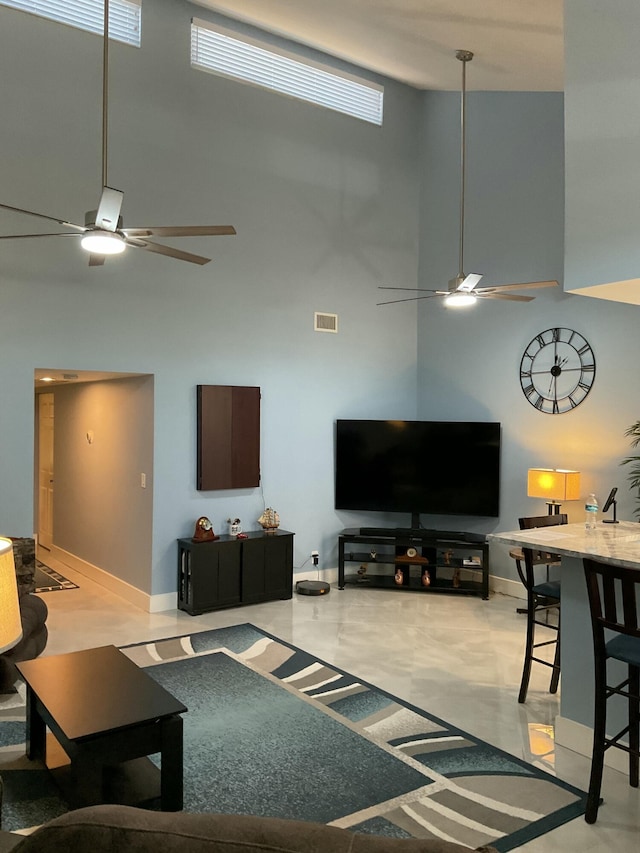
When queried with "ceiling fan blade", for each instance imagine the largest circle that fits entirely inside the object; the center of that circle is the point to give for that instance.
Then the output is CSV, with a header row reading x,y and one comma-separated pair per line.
x,y
527,285
180,231
42,216
96,260
421,289
408,299
109,209
512,296
169,251
23,236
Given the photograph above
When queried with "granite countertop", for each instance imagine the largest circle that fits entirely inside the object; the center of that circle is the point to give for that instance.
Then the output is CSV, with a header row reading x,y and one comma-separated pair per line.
x,y
609,543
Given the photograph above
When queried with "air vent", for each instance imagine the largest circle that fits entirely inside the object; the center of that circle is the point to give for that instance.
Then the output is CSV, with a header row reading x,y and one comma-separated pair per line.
x,y
325,322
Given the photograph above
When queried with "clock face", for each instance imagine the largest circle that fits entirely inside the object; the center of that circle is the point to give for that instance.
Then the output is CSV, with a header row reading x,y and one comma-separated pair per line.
x,y
557,371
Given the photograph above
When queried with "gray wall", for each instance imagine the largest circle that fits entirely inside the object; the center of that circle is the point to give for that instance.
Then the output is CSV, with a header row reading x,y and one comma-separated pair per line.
x,y
469,359
602,128
326,209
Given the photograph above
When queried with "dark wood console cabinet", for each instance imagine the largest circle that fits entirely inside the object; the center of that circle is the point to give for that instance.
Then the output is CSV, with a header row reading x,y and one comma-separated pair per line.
x,y
229,572
455,562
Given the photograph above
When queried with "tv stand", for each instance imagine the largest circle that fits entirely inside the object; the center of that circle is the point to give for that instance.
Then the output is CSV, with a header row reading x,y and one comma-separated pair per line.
x,y
414,559
391,531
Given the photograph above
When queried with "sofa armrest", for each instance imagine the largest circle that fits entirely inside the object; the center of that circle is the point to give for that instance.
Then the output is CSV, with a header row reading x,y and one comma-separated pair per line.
x,y
117,829
9,840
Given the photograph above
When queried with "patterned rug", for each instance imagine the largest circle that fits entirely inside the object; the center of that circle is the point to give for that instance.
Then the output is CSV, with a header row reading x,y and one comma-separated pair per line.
x,y
272,730
48,580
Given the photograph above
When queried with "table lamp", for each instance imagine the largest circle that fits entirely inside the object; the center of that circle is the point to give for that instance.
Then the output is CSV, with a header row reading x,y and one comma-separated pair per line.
x,y
553,484
10,622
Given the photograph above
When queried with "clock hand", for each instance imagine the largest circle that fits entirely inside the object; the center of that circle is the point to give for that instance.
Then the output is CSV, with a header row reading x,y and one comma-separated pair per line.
x,y
566,370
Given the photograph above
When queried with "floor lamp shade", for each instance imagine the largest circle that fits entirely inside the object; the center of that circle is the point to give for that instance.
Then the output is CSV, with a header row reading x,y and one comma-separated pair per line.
x,y
553,484
10,623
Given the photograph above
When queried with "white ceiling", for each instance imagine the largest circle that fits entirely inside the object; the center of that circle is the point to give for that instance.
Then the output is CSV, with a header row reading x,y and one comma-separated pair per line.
x,y
517,44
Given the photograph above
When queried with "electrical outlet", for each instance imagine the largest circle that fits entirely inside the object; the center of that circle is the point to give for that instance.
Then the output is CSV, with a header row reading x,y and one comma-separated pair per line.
x,y
315,553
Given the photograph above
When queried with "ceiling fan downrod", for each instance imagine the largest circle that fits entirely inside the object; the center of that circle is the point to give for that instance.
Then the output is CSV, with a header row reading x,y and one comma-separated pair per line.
x,y
464,56
461,287
105,95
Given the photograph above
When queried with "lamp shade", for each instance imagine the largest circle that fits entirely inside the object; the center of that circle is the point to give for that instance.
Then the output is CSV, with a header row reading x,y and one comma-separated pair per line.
x,y
553,484
10,623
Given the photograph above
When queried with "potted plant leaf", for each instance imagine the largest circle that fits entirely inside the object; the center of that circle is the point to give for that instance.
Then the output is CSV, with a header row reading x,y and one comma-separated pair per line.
x,y
634,474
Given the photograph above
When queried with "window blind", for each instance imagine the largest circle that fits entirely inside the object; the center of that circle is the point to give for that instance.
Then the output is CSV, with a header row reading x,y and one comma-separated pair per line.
x,y
124,15
219,51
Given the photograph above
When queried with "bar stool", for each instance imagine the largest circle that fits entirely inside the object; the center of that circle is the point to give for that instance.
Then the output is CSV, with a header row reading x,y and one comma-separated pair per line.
x,y
612,592
542,597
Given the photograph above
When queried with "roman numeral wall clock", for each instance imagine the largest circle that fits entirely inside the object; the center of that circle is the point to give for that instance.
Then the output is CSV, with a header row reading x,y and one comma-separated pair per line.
x,y
557,371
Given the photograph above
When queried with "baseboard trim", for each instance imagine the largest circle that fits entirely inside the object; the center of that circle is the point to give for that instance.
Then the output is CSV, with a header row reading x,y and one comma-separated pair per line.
x,y
169,600
579,738
135,596
505,586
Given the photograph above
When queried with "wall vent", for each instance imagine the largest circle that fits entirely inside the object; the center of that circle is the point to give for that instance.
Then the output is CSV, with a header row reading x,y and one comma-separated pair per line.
x,y
325,322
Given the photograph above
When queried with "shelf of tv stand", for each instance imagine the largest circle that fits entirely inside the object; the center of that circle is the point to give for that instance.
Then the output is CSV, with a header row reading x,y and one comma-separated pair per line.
x,y
458,562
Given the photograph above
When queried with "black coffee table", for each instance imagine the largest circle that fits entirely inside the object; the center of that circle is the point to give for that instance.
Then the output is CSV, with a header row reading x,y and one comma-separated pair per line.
x,y
103,710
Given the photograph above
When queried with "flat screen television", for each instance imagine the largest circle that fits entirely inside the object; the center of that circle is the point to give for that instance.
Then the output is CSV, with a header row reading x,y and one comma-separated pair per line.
x,y
435,467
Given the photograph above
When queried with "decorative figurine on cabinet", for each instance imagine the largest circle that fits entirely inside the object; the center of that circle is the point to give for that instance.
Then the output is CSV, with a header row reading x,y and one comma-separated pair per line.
x,y
269,520
204,530
235,526
399,576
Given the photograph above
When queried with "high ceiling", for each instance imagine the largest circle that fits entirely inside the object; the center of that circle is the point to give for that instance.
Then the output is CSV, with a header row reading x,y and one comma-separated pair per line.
x,y
518,44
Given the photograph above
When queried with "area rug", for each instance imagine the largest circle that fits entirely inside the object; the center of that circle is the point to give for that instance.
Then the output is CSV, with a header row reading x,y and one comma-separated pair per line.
x,y
48,580
272,730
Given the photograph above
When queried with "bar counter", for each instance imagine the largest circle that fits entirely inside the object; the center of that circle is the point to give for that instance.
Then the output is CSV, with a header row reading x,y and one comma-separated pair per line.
x,y
617,544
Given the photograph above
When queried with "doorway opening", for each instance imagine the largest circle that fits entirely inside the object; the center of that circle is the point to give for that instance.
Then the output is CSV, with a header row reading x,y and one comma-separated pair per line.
x,y
93,493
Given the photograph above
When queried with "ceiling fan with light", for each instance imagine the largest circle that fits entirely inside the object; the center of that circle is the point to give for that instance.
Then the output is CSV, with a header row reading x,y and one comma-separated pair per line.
x,y
103,233
463,288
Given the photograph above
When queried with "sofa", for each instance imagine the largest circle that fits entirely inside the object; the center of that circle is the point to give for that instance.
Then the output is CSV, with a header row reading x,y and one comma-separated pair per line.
x,y
124,829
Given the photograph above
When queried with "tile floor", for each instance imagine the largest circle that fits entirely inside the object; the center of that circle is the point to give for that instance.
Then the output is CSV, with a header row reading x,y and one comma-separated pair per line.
x,y
457,657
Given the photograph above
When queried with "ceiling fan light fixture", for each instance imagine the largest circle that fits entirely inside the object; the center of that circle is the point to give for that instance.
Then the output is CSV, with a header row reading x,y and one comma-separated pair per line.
x,y
103,243
459,299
